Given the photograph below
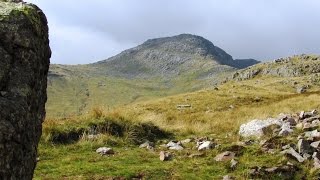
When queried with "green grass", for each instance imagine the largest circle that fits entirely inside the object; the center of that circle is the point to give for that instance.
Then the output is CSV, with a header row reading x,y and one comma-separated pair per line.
x,y
129,112
79,161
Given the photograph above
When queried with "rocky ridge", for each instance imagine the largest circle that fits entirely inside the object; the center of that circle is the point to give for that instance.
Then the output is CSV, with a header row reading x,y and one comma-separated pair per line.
x,y
298,65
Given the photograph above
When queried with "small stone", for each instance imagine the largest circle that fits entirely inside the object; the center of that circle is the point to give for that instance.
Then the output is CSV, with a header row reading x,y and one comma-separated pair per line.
x,y
176,147
307,127
315,123
314,112
306,156
294,154
228,177
271,169
301,115
301,90
206,145
165,156
104,151
316,155
146,144
315,144
315,135
173,143
304,147
186,141
286,146
225,156
291,121
233,164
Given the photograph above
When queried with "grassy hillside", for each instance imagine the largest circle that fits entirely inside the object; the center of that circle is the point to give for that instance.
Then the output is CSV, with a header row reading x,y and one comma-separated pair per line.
x,y
77,94
215,112
157,68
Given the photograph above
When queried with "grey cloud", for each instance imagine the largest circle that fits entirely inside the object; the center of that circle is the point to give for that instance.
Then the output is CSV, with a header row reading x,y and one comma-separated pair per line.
x,y
87,31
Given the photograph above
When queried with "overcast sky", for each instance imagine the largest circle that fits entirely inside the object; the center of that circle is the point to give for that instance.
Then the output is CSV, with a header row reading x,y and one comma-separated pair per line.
x,y
88,31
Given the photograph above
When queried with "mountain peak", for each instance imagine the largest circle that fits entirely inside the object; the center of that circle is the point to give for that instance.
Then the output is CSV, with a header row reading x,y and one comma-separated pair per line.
x,y
188,43
170,56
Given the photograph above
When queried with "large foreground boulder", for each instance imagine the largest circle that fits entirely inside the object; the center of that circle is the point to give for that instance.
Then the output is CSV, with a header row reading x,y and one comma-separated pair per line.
x,y
24,63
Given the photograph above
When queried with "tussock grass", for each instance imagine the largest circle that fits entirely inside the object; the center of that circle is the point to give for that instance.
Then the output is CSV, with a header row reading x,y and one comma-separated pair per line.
x,y
224,110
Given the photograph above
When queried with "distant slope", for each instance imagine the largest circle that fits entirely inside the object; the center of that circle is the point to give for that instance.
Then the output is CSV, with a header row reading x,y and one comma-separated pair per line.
x,y
157,68
260,91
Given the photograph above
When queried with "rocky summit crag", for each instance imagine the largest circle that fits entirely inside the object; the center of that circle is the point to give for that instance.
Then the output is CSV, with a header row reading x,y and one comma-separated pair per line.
x,y
172,56
24,54
157,68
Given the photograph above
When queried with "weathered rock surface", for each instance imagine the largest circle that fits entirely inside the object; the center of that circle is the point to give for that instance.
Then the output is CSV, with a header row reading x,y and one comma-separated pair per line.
x,y
104,151
165,156
225,156
205,145
24,63
258,128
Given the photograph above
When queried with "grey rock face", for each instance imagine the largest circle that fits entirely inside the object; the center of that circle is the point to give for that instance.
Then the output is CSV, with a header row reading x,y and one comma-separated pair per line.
x,y
294,66
258,128
24,63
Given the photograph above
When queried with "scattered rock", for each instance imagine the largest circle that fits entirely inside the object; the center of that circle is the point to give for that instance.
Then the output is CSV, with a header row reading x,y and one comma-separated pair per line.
x,y
228,177
233,164
315,144
237,149
147,144
173,143
165,156
293,154
315,135
301,115
225,156
206,145
306,156
307,126
304,147
281,172
301,89
291,121
104,151
285,129
176,147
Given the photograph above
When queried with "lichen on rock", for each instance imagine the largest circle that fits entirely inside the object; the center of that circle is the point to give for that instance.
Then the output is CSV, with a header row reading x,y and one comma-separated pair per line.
x,y
24,63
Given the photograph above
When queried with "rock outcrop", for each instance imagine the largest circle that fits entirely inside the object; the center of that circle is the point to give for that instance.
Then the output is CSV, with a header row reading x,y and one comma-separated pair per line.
x,y
295,66
24,63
